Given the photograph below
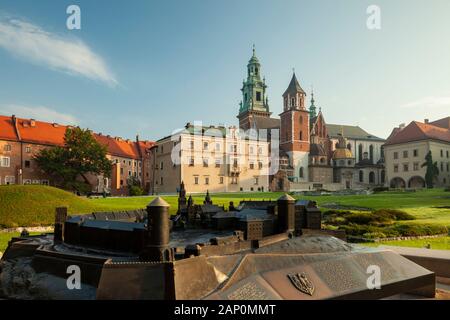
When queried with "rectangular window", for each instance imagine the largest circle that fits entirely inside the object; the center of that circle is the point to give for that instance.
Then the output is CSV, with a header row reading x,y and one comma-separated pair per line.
x,y
442,153
206,180
416,166
205,162
258,96
256,180
10,180
205,145
121,170
260,165
416,153
221,180
395,167
27,163
405,167
129,173
405,154
195,180
252,165
162,181
28,149
191,162
7,147
162,165
395,155
5,162
218,162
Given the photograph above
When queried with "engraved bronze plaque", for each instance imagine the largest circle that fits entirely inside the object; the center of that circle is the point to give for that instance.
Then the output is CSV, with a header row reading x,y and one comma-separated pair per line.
x,y
301,282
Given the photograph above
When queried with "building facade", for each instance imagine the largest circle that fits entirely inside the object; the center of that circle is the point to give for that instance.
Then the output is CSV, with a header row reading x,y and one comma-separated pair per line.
x,y
215,159
405,152
22,139
308,151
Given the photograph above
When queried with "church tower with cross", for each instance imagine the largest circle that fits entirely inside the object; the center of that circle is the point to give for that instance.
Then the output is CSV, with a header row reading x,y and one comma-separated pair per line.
x,y
255,104
294,130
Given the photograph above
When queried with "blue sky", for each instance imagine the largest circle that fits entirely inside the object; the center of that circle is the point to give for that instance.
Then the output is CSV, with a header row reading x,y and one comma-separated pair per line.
x,y
148,67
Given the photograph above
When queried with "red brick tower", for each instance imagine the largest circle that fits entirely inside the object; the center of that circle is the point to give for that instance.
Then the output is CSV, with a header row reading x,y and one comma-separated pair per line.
x,y
294,135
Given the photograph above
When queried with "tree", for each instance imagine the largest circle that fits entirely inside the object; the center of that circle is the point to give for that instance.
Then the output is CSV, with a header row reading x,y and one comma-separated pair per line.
x,y
432,170
80,154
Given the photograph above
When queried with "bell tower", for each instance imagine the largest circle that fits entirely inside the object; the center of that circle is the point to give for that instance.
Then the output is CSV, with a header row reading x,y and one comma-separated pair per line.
x,y
254,102
294,135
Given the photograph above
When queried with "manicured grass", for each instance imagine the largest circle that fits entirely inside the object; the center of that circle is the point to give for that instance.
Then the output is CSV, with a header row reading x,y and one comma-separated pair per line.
x,y
30,205
441,243
421,204
35,205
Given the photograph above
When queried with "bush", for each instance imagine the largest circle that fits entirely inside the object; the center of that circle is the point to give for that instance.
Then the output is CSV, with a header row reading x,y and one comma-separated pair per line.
x,y
374,235
380,189
136,191
415,230
394,214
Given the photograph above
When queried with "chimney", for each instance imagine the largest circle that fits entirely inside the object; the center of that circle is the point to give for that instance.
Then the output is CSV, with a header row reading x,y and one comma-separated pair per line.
x,y
158,233
55,125
60,219
137,138
427,121
401,126
16,127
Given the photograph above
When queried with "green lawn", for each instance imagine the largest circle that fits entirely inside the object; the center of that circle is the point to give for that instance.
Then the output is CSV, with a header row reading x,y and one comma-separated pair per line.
x,y
35,205
441,243
421,204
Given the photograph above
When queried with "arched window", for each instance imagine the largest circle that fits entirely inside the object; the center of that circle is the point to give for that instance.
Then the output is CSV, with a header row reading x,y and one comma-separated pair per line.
x,y
371,153
361,176
336,145
371,177
301,172
360,152
292,102
349,147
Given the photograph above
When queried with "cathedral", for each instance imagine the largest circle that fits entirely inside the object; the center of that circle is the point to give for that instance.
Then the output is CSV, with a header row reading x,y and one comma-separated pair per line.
x,y
312,154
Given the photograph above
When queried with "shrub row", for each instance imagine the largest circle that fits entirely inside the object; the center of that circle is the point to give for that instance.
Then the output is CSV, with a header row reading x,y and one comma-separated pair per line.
x,y
397,230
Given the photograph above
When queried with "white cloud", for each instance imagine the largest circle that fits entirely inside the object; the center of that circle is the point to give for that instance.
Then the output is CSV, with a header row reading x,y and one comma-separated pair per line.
x,y
38,113
429,102
69,55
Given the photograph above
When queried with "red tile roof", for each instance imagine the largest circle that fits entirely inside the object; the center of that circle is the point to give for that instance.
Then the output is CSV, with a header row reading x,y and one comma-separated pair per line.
x,y
46,133
417,131
41,132
7,131
443,123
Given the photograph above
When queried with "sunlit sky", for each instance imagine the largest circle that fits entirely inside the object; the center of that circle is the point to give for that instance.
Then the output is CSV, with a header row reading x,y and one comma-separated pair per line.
x,y
148,67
